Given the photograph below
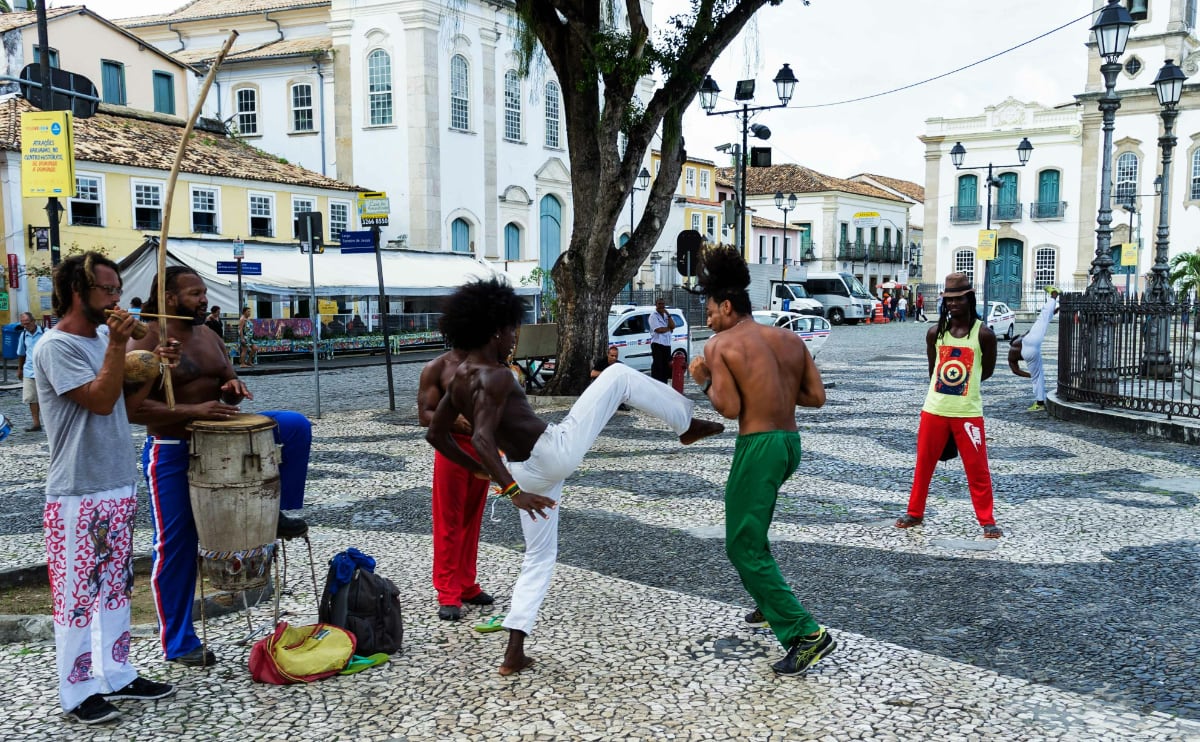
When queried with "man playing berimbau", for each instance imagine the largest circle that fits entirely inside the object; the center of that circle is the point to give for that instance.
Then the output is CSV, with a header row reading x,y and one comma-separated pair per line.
x,y
206,388
482,318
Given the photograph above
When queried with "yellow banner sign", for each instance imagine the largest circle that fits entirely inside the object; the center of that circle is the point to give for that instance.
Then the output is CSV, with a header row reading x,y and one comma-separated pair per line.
x,y
47,154
987,244
327,306
1129,253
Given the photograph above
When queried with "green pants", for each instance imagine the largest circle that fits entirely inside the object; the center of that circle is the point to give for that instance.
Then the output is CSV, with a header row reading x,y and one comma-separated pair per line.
x,y
761,463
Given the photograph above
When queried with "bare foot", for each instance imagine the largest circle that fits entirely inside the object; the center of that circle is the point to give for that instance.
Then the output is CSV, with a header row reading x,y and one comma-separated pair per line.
x,y
700,429
525,663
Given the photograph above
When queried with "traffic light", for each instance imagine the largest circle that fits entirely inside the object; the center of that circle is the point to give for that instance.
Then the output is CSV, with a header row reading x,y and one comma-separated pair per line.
x,y
687,252
310,230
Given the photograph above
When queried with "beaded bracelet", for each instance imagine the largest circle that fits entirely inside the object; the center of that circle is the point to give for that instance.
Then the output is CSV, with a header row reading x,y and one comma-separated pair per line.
x,y
510,491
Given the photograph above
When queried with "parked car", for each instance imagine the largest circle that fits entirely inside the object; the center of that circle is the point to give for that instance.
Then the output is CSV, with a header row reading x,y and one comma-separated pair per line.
x,y
814,331
1002,320
629,330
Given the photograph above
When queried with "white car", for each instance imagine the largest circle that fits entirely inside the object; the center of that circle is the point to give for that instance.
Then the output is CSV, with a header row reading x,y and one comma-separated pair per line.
x,y
629,330
814,331
1002,320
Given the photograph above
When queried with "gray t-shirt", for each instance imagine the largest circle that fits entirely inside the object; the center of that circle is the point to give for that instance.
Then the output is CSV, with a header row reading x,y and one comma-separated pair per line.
x,y
88,452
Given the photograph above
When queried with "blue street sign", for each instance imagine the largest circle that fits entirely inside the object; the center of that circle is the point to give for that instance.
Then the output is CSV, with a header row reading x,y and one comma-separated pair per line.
x,y
229,267
357,241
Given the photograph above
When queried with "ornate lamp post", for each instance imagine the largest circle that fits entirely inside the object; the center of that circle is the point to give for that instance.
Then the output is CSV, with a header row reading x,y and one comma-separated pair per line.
x,y
785,85
785,207
957,153
1157,359
1112,32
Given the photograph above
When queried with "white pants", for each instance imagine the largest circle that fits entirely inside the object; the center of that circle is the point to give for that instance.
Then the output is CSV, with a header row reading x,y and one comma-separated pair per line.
x,y
1031,349
559,452
89,555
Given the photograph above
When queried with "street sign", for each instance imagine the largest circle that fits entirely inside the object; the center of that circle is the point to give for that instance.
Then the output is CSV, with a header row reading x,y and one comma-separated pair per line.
x,y
47,154
373,209
1129,253
81,98
239,249
866,219
230,268
357,241
987,244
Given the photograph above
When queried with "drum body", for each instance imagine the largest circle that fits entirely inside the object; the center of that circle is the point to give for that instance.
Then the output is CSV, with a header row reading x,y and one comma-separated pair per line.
x,y
233,484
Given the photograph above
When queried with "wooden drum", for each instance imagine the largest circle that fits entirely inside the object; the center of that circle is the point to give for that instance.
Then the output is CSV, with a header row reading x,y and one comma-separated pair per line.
x,y
233,479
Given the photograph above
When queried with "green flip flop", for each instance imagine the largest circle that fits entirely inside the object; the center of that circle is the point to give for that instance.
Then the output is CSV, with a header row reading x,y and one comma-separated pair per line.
x,y
358,663
495,623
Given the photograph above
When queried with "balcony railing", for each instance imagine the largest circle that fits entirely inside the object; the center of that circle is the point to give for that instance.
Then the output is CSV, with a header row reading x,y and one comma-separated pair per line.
x,y
852,251
1006,212
1047,209
966,214
886,254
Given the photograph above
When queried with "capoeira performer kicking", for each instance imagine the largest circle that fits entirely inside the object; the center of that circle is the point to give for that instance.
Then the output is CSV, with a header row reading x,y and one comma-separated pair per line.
x,y
482,318
1028,347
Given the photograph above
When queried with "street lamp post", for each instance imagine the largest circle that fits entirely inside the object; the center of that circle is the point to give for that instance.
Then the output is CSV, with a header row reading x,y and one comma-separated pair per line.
x,y
957,153
1112,32
785,85
1157,359
643,182
785,207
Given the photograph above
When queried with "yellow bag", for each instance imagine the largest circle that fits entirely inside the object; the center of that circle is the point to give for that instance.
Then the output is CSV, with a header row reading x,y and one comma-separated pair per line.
x,y
301,654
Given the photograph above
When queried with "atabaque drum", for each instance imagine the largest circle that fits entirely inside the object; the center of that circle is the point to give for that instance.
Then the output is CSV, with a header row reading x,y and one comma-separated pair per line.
x,y
233,478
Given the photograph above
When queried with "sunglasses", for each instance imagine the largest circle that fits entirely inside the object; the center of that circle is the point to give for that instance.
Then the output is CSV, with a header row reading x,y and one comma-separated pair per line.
x,y
109,289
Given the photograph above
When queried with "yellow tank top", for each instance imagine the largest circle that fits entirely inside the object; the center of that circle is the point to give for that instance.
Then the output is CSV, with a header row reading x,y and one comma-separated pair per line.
x,y
957,371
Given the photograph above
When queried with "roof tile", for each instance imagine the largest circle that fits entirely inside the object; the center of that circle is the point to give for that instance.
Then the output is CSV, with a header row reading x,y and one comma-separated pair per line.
x,y
285,48
791,178
122,136
198,9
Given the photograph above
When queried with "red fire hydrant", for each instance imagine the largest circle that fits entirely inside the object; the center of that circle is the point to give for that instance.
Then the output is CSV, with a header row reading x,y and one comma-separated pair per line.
x,y
678,370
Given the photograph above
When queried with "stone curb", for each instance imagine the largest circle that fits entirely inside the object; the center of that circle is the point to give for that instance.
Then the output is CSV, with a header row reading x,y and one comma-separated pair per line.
x,y
1153,426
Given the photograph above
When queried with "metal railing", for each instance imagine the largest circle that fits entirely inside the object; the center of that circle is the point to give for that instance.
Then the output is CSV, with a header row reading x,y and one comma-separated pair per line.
x,y
1047,209
966,214
1006,212
1129,354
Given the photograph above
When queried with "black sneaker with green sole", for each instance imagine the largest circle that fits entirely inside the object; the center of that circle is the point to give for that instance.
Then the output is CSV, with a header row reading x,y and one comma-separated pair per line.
x,y
805,653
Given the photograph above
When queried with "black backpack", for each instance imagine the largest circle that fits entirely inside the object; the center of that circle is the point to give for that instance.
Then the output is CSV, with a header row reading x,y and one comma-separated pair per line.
x,y
368,607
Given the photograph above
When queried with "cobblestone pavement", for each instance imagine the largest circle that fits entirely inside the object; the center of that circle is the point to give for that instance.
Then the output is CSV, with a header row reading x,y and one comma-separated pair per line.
x,y
1080,623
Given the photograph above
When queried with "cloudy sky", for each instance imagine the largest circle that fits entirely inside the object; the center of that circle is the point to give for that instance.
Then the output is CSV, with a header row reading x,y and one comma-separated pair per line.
x,y
842,49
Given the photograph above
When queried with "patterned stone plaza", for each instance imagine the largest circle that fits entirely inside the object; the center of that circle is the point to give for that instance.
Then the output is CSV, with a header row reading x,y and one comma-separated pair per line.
x,y
1080,624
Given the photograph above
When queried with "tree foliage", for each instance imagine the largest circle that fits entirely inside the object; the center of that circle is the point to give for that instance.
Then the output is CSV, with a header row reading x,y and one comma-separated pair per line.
x,y
600,51
1185,273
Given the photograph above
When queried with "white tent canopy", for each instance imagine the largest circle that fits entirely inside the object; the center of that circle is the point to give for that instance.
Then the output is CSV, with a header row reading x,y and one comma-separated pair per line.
x,y
406,273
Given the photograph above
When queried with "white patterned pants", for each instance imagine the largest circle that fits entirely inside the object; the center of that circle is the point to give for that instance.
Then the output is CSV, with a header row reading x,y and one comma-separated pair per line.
x,y
89,554
1031,349
559,452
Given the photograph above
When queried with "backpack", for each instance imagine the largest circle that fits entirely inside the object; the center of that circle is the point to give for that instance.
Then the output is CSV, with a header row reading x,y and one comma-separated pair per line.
x,y
300,654
367,606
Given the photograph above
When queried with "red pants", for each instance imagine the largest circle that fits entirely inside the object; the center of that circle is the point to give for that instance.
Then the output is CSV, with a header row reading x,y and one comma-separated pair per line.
x,y
458,500
972,448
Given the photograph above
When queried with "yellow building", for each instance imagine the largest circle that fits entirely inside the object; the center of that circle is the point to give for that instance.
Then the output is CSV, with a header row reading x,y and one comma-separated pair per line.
x,y
226,190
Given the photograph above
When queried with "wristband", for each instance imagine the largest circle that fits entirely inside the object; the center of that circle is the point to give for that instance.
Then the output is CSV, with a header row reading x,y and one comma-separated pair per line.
x,y
511,490
705,386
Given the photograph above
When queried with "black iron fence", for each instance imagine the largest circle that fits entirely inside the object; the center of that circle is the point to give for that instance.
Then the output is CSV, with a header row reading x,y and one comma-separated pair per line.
x,y
1129,354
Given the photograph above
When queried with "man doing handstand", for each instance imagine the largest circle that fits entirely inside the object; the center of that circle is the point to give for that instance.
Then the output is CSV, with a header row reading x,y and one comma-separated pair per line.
x,y
759,375
482,318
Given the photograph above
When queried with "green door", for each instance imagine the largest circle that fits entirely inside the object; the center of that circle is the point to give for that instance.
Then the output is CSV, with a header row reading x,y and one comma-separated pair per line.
x,y
1004,277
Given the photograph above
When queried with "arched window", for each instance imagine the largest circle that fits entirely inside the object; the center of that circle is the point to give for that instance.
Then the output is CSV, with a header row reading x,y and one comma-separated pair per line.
x,y
512,242
550,236
247,111
552,114
1048,204
460,235
964,262
302,107
1045,267
1127,178
379,88
1195,189
460,93
512,106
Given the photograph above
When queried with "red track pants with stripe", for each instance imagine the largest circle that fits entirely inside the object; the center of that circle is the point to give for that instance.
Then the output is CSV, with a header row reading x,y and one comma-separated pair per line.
x,y
458,500
969,436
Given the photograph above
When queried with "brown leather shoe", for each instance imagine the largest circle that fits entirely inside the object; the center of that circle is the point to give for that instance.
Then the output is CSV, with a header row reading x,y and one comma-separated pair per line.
x,y
992,531
908,521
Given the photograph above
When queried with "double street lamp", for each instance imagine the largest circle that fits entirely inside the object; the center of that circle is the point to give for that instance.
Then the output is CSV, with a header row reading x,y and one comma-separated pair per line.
x,y
957,154
785,85
785,206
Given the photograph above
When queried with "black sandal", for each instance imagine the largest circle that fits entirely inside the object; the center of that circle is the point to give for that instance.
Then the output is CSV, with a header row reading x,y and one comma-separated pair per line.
x,y
992,531
908,521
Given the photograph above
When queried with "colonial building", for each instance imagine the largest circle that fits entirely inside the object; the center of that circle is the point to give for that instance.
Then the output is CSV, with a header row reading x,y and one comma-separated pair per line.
x,y
422,99
1046,211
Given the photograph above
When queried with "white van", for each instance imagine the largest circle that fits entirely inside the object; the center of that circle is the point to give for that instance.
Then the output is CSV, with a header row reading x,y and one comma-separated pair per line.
x,y
844,298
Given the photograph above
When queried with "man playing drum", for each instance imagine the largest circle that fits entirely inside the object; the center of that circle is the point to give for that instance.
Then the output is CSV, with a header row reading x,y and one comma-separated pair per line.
x,y
206,388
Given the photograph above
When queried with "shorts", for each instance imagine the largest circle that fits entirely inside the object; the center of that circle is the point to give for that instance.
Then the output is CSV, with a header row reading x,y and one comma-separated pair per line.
x,y
28,390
